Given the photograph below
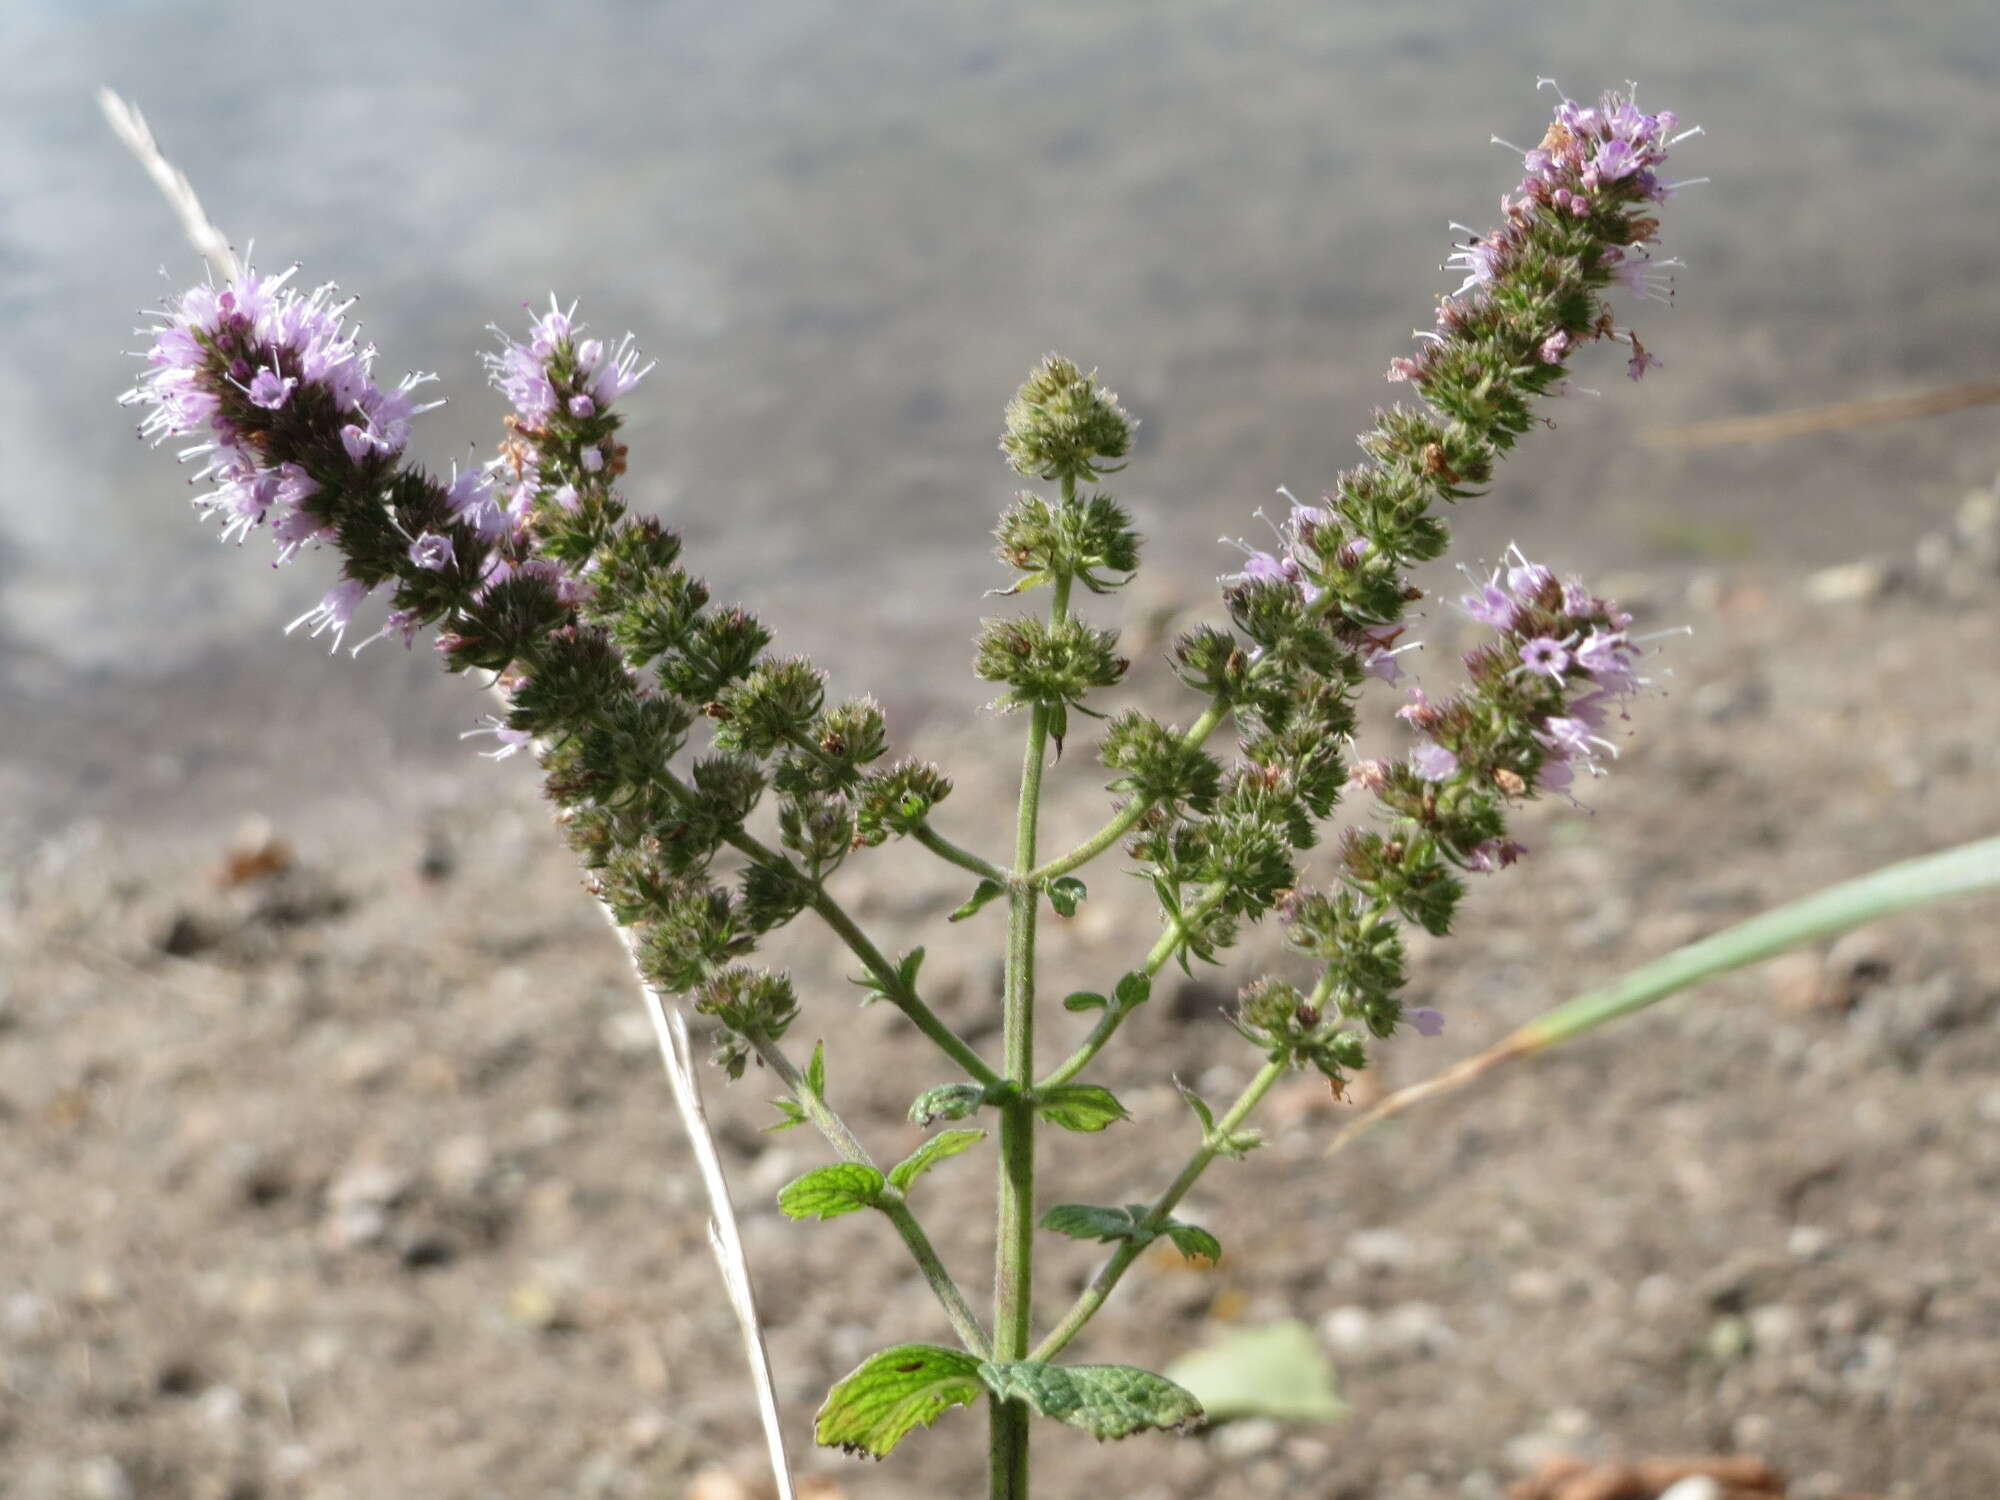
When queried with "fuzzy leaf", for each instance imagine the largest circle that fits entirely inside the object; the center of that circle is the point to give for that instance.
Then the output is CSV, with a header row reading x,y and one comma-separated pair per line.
x,y
1134,989
930,1153
1088,1221
892,1393
1106,1401
1201,1110
948,1101
1066,894
985,891
1083,1107
816,1071
828,1192
1193,1241
1084,1000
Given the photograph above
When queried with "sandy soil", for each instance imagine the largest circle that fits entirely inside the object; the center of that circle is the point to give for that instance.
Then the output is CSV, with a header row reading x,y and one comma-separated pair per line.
x,y
360,1179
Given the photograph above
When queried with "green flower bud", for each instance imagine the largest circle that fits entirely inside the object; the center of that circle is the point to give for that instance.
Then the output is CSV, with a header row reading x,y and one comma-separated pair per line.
x,y
896,801
1062,424
730,784
692,930
1047,664
1080,539
1158,766
819,829
773,894
777,702
753,1005
720,649
1209,661
1405,873
577,672
507,623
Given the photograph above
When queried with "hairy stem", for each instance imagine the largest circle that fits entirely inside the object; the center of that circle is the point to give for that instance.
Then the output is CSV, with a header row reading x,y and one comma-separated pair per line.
x,y
1013,1298
903,996
1130,814
1101,1285
1114,1013
964,1321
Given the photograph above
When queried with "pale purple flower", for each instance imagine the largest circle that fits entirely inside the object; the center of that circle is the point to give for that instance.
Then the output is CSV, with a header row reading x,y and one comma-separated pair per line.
x,y
566,498
511,740
335,612
432,552
1554,347
1525,579
357,442
1402,367
1428,1020
1490,606
1641,360
1433,761
1495,854
1544,657
582,408
592,460
1607,659
269,389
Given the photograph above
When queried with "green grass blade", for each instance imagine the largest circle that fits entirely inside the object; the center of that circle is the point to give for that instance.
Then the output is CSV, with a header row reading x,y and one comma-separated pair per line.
x,y
1933,877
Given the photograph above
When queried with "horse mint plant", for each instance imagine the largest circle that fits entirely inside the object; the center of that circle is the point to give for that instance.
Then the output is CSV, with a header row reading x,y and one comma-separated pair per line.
x,y
713,790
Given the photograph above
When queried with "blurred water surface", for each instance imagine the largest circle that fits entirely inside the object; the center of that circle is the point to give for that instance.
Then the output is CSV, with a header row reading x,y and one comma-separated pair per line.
x,y
847,229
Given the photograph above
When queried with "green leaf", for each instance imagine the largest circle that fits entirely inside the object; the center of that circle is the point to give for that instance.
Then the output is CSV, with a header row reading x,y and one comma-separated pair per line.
x,y
907,966
1066,894
892,1393
1201,1110
948,1101
1194,1242
793,1115
985,891
1238,1143
1084,1000
828,1192
1088,1221
1106,1401
930,1153
1133,991
1083,1107
816,1071
1276,1371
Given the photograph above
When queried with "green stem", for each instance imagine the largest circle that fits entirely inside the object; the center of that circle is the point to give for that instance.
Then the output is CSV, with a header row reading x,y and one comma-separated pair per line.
x,y
903,996
1114,1013
926,835
964,1321
1013,1294
1130,814
1105,1280
964,858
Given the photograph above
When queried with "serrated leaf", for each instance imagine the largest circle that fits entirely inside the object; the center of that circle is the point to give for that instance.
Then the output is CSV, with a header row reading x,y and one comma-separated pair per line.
x,y
816,1071
985,891
892,1393
1089,1221
1083,1107
930,1153
1277,1371
1193,1241
1083,1000
1106,1401
1066,894
828,1192
1134,990
948,1101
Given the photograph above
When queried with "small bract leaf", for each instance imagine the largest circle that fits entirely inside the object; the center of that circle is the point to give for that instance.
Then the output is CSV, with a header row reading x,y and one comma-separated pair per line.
x,y
1277,1371
1084,1000
1066,894
816,1071
948,1101
1088,1221
1134,989
793,1115
1106,1401
1195,1102
1081,1107
1194,1242
828,1192
930,1153
985,891
891,1393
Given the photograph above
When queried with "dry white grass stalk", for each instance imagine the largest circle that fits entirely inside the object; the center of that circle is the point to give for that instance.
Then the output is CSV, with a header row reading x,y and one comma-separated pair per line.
x,y
669,1026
